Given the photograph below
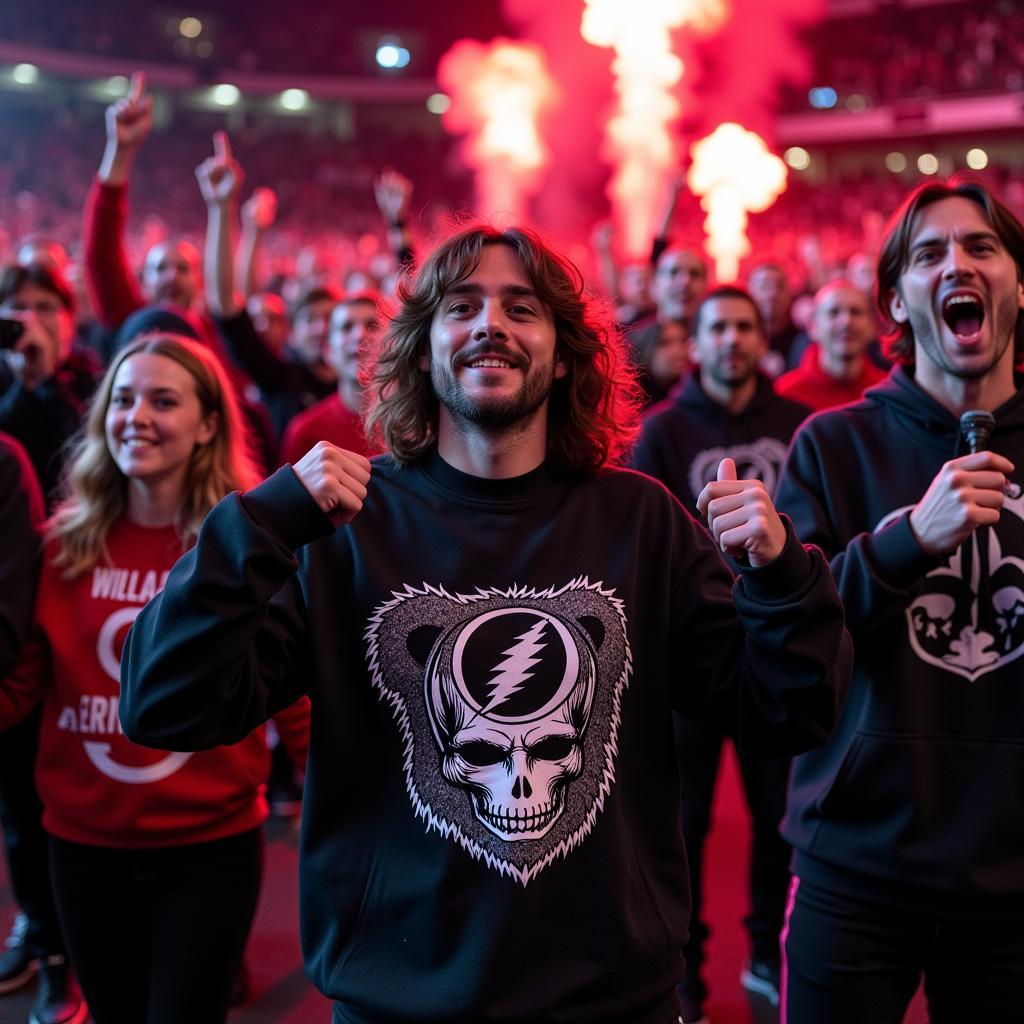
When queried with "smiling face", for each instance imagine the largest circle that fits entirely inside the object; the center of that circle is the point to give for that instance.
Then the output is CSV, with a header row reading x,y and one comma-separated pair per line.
x,y
154,420
960,293
492,346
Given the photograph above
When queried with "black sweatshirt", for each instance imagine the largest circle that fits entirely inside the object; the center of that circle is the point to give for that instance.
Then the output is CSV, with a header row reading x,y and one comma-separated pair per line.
x,y
685,437
918,798
491,823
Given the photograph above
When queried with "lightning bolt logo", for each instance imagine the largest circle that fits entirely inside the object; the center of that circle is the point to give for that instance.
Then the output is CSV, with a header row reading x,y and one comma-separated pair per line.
x,y
512,673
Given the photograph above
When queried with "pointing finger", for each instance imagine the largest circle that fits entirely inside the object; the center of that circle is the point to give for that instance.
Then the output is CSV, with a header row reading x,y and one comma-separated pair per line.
x,y
221,145
137,87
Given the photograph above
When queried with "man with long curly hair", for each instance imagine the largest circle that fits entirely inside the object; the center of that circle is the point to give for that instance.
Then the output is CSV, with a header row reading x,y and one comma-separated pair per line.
x,y
493,625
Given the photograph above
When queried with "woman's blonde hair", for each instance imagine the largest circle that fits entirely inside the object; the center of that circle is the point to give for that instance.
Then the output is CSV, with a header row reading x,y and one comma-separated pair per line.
x,y
96,491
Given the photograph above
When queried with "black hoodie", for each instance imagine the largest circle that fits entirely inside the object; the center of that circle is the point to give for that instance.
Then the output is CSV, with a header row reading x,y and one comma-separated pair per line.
x,y
918,798
686,436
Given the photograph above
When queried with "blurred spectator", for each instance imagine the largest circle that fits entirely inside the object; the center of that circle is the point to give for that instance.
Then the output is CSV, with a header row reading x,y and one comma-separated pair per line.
x,y
769,287
354,327
45,379
662,354
835,368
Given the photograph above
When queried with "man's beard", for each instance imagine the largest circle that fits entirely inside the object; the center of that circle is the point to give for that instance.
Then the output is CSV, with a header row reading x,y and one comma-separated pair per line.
x,y
733,377
927,335
493,414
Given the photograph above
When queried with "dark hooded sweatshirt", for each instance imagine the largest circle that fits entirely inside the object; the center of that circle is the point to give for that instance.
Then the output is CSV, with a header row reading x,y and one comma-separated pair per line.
x,y
918,798
686,436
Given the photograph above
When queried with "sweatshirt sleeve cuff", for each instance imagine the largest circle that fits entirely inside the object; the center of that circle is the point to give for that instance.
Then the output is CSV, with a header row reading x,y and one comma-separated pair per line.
x,y
782,578
286,509
110,195
897,554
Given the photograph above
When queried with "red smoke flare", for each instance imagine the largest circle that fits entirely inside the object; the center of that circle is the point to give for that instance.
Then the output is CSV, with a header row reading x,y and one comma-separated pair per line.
x,y
639,134
734,174
498,93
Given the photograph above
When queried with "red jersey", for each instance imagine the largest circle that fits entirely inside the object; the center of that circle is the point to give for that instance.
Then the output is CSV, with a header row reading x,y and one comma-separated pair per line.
x,y
327,420
812,386
97,787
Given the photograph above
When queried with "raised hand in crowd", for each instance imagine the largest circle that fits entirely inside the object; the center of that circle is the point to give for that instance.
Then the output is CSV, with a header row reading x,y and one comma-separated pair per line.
x,y
393,192
220,176
259,212
741,517
220,181
129,122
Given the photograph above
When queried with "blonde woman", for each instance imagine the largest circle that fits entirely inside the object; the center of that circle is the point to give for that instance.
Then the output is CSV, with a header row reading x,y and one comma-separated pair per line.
x,y
156,856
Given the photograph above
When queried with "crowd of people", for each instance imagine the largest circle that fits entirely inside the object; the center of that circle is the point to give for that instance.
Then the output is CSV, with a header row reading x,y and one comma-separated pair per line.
x,y
916,52
379,503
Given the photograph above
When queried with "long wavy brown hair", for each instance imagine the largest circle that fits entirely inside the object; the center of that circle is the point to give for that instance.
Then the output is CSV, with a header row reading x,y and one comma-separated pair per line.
x,y
593,411
96,491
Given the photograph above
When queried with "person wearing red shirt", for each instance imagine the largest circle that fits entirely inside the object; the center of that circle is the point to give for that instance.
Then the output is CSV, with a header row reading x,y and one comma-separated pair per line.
x,y
835,369
156,857
354,327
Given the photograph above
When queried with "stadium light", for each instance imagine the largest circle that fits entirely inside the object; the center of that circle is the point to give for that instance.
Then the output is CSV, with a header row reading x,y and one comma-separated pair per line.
x,y
797,157
823,97
977,159
438,102
225,94
294,99
391,54
25,74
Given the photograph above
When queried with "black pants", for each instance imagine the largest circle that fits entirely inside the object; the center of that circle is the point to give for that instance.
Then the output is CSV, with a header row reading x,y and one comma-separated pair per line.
x,y
156,936
764,784
848,960
24,839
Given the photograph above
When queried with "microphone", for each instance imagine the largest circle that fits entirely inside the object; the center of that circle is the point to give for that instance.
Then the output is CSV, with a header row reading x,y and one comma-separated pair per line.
x,y
977,425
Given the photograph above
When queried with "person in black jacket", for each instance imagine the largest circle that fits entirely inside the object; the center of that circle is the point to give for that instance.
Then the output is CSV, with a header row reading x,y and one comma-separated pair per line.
x,y
727,409
493,626
909,854
45,379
